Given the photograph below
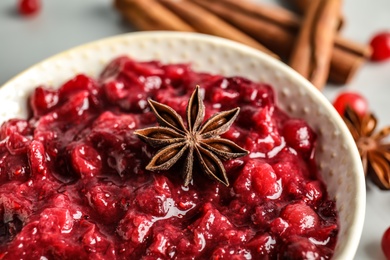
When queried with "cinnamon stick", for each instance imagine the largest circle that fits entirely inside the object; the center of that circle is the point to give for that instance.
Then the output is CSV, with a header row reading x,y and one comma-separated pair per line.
x,y
313,48
302,6
271,34
358,49
346,57
205,22
151,15
289,22
344,65
273,14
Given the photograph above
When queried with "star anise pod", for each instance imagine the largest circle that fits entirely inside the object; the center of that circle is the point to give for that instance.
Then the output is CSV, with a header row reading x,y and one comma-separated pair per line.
x,y
196,142
374,152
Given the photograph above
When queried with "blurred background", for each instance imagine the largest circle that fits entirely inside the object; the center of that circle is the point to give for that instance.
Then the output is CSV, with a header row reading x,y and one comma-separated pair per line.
x,y
60,25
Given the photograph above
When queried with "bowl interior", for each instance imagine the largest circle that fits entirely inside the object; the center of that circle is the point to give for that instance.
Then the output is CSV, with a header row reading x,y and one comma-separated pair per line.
x,y
337,156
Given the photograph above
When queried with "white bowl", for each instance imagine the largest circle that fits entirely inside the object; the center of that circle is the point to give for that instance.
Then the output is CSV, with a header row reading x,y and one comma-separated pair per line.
x,y
337,156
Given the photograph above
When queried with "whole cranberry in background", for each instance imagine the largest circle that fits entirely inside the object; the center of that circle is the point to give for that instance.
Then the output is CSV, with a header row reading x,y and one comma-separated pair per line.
x,y
354,100
29,7
386,243
380,45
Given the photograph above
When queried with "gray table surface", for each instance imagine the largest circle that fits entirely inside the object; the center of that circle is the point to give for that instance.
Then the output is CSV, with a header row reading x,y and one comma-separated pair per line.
x,y
65,24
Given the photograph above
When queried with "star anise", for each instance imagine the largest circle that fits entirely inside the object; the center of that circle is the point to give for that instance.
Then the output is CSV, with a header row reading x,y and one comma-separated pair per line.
x,y
374,152
197,142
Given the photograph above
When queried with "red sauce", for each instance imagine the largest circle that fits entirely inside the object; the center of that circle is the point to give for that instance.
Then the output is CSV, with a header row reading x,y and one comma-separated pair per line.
x,y
73,183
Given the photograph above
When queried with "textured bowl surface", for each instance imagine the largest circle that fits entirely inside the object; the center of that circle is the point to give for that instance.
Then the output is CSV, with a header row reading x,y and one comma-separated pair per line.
x,y
337,156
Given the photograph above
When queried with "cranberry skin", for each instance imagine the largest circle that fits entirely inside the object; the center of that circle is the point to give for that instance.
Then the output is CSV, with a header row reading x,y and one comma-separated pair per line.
x,y
211,226
15,125
228,252
29,7
86,161
154,199
36,155
78,83
96,244
301,249
299,136
262,246
17,144
258,181
128,229
313,192
42,100
354,100
104,199
386,243
380,44
300,218
54,221
113,69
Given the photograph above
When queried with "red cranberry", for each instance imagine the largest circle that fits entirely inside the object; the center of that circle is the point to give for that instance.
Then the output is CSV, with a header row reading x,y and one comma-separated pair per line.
x,y
313,192
78,83
300,218
76,108
17,168
36,154
278,226
302,248
29,7
128,227
257,181
113,69
14,125
263,246
85,160
224,96
354,100
155,198
265,213
128,98
229,252
265,182
42,100
380,44
258,95
17,144
104,199
169,242
97,244
55,220
177,71
386,243
288,170
299,136
211,226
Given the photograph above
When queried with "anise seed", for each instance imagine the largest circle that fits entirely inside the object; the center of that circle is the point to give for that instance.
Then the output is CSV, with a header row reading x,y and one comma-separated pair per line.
x,y
215,124
170,119
165,157
161,136
210,164
194,113
221,147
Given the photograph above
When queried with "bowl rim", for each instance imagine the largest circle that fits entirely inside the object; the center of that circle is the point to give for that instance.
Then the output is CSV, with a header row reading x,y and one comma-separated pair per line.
x,y
350,246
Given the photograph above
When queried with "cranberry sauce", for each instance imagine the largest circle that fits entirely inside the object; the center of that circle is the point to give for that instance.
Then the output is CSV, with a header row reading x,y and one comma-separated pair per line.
x,y
73,183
